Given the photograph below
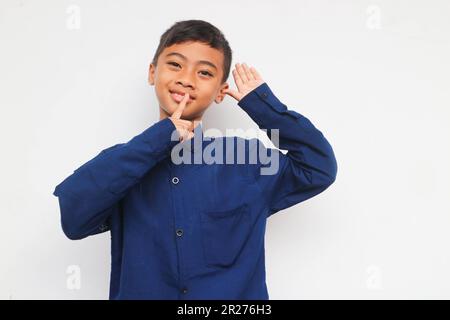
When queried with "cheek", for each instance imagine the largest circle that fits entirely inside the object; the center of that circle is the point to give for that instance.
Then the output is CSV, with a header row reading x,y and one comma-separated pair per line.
x,y
204,101
208,96
160,94
161,88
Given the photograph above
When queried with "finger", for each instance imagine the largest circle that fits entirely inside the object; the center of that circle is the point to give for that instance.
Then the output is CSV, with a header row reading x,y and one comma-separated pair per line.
x,y
179,123
190,135
241,72
183,134
237,79
255,73
187,127
247,72
232,93
187,123
179,110
187,137
191,126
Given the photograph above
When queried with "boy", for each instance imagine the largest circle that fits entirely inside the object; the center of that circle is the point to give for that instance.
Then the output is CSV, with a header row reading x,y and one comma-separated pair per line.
x,y
195,230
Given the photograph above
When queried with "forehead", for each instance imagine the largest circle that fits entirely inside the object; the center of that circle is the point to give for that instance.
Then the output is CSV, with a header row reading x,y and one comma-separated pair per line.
x,y
195,51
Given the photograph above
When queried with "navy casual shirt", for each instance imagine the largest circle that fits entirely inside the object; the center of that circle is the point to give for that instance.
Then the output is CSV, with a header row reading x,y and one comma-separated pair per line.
x,y
195,230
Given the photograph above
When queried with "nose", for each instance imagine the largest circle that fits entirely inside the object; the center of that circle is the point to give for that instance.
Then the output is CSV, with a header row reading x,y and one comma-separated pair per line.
x,y
185,84
185,80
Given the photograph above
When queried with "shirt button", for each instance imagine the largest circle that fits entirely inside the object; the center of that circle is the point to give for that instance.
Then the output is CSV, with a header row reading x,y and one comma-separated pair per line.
x,y
175,180
184,290
264,95
179,232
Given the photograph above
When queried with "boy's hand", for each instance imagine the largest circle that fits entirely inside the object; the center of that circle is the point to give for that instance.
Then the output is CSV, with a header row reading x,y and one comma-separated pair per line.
x,y
184,127
246,80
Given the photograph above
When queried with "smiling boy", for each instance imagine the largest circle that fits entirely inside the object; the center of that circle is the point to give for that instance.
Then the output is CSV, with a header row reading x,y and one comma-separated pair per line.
x,y
189,230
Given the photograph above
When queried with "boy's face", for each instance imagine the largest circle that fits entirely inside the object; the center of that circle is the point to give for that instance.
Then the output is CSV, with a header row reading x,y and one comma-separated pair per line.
x,y
190,67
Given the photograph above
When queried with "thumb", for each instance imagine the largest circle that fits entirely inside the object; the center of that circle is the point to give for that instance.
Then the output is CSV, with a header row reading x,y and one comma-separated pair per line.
x,y
179,110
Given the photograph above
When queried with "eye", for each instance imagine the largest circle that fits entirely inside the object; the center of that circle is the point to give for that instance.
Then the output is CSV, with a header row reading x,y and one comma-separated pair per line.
x,y
173,64
203,72
207,73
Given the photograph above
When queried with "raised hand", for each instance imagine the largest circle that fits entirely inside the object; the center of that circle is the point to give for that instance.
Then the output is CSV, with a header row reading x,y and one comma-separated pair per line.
x,y
246,79
184,127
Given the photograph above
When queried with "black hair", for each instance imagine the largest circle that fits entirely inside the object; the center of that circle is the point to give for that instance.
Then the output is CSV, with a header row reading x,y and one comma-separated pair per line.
x,y
196,30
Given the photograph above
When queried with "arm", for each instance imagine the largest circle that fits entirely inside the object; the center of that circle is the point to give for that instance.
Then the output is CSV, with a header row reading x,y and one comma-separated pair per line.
x,y
91,194
307,169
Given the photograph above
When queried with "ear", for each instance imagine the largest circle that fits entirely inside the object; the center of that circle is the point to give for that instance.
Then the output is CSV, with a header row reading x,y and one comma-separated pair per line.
x,y
151,74
219,98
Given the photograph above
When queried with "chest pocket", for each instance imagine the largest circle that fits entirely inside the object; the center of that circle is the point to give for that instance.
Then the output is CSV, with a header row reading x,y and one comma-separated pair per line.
x,y
224,234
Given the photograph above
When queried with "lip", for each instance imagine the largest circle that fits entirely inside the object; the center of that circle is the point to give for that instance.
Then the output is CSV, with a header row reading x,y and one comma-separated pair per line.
x,y
174,93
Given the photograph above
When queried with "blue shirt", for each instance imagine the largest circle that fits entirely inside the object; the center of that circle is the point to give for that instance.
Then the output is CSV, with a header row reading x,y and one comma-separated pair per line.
x,y
194,231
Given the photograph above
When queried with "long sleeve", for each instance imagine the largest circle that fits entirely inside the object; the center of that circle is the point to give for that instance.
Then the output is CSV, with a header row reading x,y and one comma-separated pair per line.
x,y
92,193
309,166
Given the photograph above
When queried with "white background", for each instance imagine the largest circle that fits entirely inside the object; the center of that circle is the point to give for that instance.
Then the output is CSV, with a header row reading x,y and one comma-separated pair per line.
x,y
373,76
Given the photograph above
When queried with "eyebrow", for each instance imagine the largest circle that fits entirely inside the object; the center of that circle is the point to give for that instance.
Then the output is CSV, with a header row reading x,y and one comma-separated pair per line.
x,y
198,62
